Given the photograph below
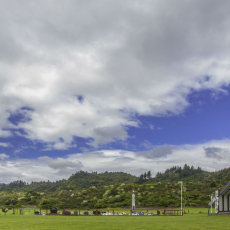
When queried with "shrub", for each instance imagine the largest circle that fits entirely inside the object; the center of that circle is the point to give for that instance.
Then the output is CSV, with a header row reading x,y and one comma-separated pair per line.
x,y
213,184
49,203
100,205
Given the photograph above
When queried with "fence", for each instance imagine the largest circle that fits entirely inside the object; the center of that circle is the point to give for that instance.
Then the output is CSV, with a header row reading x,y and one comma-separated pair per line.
x,y
173,212
17,211
101,212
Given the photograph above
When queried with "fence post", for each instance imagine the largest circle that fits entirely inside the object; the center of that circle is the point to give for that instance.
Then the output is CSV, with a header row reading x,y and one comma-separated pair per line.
x,y
113,212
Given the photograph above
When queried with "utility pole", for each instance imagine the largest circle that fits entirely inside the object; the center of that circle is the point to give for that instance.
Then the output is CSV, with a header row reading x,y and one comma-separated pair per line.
x,y
181,196
133,201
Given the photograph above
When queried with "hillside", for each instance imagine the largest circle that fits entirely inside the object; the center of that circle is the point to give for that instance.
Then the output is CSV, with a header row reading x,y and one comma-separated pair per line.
x,y
100,190
79,181
83,180
188,174
160,194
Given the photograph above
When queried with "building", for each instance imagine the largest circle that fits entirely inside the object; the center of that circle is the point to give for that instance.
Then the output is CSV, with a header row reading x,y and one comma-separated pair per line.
x,y
221,200
224,205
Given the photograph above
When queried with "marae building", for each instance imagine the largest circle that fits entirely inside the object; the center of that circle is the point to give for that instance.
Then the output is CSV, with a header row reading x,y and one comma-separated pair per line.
x,y
221,200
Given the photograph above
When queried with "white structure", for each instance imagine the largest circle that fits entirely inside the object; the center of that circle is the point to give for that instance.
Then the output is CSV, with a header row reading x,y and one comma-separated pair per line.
x,y
216,201
133,201
181,196
221,199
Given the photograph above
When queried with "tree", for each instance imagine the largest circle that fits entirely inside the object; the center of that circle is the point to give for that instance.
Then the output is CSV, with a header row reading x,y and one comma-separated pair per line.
x,y
141,179
5,210
149,174
213,184
49,203
145,175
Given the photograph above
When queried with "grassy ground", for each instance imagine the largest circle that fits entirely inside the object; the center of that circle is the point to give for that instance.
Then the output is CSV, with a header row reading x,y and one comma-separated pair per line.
x,y
193,220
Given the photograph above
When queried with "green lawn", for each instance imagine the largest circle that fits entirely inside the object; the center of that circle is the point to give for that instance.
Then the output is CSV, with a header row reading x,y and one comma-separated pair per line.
x,y
194,220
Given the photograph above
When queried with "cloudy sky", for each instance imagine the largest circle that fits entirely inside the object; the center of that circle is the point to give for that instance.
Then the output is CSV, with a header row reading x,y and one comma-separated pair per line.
x,y
125,85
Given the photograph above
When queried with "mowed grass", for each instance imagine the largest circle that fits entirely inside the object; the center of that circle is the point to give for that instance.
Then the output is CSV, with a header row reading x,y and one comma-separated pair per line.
x,y
188,221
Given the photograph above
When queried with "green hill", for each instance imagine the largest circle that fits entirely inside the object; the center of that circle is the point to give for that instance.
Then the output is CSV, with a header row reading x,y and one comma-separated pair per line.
x,y
83,180
79,181
160,194
188,174
99,190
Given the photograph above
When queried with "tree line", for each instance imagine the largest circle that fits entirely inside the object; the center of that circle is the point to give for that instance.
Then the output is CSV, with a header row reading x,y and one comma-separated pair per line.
x,y
83,180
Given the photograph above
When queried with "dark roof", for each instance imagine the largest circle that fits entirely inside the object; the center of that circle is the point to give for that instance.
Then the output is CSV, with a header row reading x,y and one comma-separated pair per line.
x,y
225,189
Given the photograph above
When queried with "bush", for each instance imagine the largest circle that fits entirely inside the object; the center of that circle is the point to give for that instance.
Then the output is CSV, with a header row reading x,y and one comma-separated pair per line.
x,y
100,205
49,203
213,184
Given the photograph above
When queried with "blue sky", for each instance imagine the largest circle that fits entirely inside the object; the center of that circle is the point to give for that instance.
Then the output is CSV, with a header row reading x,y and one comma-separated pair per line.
x,y
113,86
203,120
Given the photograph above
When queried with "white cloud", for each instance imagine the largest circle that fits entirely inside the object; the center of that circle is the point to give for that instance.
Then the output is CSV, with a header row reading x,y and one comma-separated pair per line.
x,y
41,169
5,144
3,156
122,57
47,168
60,163
5,133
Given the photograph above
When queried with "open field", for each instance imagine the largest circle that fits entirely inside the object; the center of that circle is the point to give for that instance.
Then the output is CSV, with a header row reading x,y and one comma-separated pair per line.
x,y
194,220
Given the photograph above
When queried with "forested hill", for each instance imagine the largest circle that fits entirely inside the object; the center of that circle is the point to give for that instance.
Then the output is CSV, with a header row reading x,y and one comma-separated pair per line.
x,y
83,180
186,174
191,174
77,181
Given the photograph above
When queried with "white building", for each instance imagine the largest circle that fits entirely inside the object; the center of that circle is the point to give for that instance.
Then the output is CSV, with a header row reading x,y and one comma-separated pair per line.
x,y
221,200
224,205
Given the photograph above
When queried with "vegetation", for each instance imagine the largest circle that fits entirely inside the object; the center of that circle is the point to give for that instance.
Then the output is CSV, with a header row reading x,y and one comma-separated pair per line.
x,y
159,194
85,190
80,180
49,203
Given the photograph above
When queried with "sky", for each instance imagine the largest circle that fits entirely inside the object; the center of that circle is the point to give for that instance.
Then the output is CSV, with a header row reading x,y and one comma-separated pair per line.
x,y
125,85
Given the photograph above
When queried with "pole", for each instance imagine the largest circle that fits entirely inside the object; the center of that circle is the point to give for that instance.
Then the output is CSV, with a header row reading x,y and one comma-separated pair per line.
x,y
181,196
133,201
211,205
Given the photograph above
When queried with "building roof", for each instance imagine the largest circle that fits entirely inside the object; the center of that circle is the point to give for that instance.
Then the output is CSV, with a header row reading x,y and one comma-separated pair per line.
x,y
225,189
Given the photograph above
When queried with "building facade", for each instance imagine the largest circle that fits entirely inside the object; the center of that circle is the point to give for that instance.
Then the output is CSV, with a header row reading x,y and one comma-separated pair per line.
x,y
221,200
224,205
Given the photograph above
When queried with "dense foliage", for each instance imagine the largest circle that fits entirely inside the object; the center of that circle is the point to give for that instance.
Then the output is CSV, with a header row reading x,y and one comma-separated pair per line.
x,y
191,174
79,181
100,190
160,194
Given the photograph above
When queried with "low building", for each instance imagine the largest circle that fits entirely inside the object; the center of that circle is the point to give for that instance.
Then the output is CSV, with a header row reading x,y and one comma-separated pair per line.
x,y
221,200
224,205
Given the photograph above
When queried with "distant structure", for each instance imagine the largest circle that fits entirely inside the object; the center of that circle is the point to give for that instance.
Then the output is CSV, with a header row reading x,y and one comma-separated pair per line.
x,y
221,200
133,201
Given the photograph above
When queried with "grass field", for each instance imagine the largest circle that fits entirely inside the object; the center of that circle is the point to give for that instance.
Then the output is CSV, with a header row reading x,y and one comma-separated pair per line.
x,y
196,219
